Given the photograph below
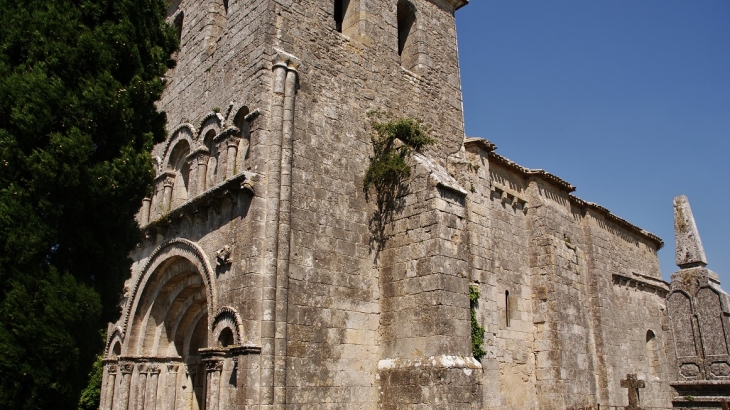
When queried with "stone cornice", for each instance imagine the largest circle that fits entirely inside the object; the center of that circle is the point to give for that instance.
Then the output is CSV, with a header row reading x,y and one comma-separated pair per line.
x,y
642,282
453,5
560,183
243,181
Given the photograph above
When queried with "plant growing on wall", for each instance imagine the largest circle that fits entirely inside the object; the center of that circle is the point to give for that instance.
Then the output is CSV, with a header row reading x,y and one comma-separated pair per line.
x,y
394,141
477,330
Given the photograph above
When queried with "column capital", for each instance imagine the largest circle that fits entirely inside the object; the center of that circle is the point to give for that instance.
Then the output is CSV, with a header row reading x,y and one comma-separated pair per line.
x,y
213,365
286,60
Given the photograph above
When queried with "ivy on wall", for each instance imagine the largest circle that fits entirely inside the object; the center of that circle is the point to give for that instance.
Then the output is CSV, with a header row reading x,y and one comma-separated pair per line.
x,y
477,330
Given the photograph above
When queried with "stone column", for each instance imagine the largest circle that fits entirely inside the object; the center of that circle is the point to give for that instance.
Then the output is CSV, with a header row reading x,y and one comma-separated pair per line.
x,y
126,370
171,385
202,173
232,144
271,235
145,213
167,194
282,264
192,176
213,370
107,395
141,387
153,374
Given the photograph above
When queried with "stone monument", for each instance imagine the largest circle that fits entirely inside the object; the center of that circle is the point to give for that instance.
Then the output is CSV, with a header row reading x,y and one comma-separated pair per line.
x,y
698,309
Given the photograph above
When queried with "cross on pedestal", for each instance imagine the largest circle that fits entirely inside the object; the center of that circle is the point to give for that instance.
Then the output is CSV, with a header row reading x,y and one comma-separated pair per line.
x,y
633,384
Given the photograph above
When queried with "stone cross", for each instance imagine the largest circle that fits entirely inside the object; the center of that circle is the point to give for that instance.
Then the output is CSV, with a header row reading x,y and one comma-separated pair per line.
x,y
633,384
689,250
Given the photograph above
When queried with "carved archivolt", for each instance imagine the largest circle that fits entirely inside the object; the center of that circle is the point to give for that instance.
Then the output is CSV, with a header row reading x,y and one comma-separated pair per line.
x,y
116,336
227,317
171,248
182,131
212,121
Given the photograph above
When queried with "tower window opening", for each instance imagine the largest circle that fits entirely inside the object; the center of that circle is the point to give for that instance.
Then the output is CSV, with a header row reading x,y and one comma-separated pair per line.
x,y
339,14
406,18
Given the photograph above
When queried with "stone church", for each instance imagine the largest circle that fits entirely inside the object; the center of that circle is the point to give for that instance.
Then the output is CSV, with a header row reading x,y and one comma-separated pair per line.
x,y
265,280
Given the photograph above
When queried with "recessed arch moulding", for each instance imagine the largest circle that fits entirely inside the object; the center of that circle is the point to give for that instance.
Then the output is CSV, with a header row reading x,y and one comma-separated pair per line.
x,y
173,344
194,160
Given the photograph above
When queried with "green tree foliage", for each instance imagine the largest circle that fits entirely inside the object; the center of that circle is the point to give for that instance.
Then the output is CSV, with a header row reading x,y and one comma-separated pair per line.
x,y
78,85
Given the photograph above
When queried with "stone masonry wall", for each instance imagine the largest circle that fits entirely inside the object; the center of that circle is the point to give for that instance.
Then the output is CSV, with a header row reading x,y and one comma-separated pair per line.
x,y
585,302
334,343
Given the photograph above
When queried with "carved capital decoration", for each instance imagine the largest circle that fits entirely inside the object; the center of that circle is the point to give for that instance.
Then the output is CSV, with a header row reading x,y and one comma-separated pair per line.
x,y
172,368
127,368
112,368
213,366
286,60
153,369
232,142
169,181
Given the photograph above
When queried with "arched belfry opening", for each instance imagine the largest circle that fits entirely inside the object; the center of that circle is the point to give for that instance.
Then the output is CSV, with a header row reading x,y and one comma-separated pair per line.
x,y
347,16
407,45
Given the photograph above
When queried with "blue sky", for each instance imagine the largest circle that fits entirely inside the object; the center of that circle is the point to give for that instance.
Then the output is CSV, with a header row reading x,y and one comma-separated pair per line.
x,y
627,100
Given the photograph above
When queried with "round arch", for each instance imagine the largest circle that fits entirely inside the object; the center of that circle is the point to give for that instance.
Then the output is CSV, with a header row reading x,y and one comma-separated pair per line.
x,y
171,249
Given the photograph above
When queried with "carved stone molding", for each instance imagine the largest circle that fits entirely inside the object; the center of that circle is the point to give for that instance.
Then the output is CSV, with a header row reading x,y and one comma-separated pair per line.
x,y
213,365
286,60
173,247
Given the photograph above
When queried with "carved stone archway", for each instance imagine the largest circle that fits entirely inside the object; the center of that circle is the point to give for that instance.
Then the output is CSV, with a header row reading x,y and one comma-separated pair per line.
x,y
158,358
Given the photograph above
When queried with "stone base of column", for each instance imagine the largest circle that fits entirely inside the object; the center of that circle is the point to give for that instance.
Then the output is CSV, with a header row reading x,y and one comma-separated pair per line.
x,y
443,382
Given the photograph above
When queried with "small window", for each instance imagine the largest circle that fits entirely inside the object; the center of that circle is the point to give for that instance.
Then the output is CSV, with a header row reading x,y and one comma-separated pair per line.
x,y
226,337
347,17
507,312
117,350
178,24
406,25
652,353
339,14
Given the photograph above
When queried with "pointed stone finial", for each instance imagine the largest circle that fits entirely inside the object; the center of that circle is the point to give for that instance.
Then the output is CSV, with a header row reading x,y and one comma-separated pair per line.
x,y
689,249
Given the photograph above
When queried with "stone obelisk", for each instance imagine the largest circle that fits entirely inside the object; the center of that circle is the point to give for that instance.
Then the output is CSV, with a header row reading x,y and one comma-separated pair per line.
x,y
688,246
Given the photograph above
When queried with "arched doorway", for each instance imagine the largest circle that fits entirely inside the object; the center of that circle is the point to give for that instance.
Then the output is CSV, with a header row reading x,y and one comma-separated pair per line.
x,y
157,358
170,326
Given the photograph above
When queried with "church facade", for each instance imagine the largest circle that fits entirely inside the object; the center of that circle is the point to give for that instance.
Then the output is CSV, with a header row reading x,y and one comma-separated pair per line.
x,y
267,279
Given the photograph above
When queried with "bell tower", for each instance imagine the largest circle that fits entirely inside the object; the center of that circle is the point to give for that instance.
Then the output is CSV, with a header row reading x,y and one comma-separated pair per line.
x,y
257,282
